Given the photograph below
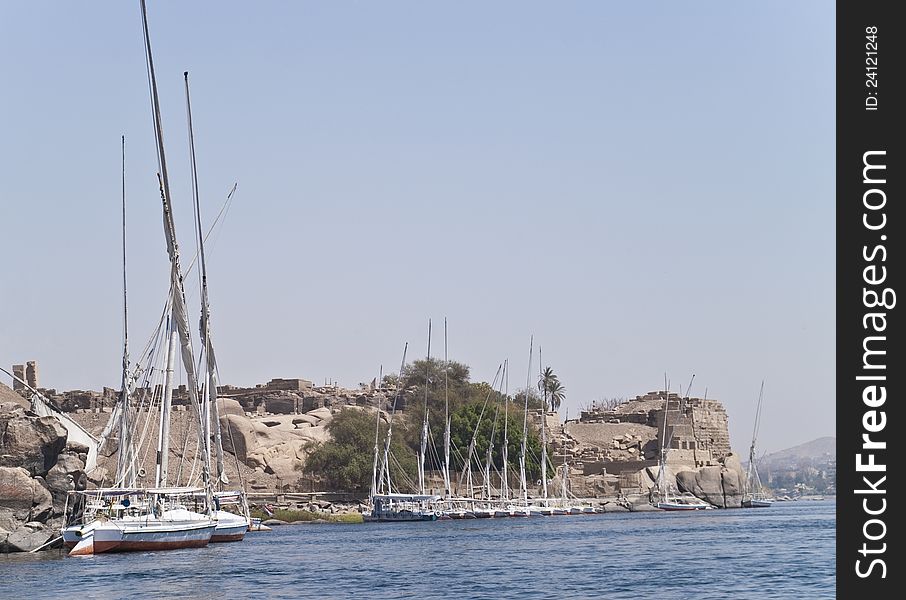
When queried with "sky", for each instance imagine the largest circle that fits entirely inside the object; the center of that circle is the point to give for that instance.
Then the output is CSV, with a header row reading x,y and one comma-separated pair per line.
x,y
645,188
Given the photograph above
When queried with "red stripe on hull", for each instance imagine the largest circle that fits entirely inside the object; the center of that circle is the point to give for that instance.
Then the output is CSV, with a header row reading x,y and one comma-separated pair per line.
x,y
139,546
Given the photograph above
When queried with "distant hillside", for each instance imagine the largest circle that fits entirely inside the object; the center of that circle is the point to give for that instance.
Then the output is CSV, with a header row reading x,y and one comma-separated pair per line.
x,y
815,451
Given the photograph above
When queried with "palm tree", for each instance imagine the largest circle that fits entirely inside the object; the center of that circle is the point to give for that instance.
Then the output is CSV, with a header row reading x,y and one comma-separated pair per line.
x,y
552,389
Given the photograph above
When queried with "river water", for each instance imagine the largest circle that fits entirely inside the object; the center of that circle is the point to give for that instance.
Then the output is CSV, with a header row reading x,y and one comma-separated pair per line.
x,y
786,551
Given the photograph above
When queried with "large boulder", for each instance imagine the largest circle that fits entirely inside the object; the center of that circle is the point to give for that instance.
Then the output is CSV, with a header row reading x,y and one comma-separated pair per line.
x,y
66,475
23,499
32,443
285,459
313,434
228,406
238,435
720,485
322,413
25,539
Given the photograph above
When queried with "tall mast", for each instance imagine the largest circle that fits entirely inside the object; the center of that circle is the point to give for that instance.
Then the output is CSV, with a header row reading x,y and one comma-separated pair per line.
x,y
504,484
178,311
374,466
662,475
385,464
467,473
163,440
447,490
565,467
125,473
490,453
543,429
424,447
210,412
752,478
528,382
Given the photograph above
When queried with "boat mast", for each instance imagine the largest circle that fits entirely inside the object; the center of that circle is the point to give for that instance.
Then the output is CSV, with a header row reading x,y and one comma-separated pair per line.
x,y
752,480
490,453
178,311
662,475
565,467
447,490
543,383
210,412
504,484
163,441
467,472
125,467
377,434
385,464
528,382
424,444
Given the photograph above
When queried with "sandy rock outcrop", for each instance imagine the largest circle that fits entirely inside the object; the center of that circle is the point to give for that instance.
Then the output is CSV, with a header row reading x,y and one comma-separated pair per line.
x,y
274,444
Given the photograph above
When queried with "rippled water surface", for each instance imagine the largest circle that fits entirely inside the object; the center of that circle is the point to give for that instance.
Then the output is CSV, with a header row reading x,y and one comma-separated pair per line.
x,y
786,551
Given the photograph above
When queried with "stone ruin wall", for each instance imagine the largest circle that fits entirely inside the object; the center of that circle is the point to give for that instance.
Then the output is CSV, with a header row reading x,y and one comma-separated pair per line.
x,y
697,430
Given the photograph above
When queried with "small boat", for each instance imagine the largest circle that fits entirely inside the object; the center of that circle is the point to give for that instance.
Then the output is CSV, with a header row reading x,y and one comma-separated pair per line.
x,y
256,525
231,526
685,501
402,507
756,503
754,495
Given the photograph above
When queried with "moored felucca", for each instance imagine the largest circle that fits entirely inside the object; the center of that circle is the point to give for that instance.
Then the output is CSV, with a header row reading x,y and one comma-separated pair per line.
x,y
158,518
754,495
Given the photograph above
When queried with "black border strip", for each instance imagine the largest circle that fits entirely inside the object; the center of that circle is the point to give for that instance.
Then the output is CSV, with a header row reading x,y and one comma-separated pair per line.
x,y
869,273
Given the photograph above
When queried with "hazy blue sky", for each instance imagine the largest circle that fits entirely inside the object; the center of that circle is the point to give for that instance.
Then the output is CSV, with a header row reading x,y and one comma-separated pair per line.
x,y
644,188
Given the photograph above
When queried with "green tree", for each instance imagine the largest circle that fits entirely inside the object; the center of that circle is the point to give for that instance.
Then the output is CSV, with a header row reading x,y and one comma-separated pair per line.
x,y
346,461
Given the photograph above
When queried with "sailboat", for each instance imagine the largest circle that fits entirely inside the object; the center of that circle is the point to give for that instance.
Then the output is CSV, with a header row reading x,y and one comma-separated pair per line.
x,y
754,495
544,509
387,505
523,509
668,497
134,519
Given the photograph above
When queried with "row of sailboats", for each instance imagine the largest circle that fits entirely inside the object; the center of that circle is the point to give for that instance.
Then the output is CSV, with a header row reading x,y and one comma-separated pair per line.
x,y
389,504
128,516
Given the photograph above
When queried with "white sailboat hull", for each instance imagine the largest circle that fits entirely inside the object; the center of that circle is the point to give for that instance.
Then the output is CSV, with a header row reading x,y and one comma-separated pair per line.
x,y
230,527
176,529
757,503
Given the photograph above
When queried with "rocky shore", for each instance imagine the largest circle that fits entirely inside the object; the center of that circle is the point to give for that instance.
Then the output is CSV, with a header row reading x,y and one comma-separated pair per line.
x,y
37,468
